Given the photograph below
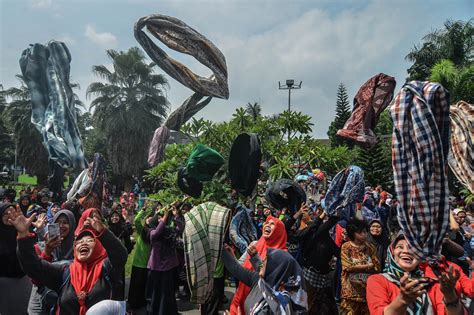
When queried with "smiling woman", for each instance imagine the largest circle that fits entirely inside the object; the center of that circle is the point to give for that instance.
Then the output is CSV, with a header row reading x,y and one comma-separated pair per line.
x,y
404,289
94,275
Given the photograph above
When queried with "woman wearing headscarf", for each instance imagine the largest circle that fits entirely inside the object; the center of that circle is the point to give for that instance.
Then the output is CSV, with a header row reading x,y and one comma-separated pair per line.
x,y
89,213
162,265
277,285
121,229
138,277
378,237
99,259
404,289
273,236
359,260
24,203
15,286
58,250
52,210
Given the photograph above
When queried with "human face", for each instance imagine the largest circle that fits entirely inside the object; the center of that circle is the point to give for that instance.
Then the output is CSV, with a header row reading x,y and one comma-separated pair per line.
x,y
25,202
54,209
404,257
267,212
360,237
64,227
44,199
268,228
84,248
460,217
375,229
115,218
8,214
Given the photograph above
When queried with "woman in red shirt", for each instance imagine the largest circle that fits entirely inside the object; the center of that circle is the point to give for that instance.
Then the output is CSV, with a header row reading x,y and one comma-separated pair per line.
x,y
401,289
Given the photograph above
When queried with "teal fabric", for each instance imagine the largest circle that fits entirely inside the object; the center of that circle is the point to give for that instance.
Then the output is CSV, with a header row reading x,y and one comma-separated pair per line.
x,y
203,163
46,72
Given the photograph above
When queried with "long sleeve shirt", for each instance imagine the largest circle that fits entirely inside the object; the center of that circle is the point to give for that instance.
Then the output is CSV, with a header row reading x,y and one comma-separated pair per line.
x,y
53,277
163,255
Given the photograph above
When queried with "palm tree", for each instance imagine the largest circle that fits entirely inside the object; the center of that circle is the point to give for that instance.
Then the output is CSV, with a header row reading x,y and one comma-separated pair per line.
x,y
253,110
458,80
453,42
129,105
30,150
241,118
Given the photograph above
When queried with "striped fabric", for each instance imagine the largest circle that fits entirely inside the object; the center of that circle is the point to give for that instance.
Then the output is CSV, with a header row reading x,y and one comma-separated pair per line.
x,y
204,234
420,144
461,153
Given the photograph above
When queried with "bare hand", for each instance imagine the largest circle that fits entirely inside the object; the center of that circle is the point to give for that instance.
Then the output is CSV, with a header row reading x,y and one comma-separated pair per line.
x,y
229,250
21,223
40,222
148,220
252,250
448,281
52,244
410,289
95,223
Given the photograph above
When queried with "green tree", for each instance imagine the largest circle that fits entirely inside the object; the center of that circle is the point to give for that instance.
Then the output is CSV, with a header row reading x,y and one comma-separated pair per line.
x,y
458,80
453,42
7,147
129,105
253,110
376,162
343,112
30,150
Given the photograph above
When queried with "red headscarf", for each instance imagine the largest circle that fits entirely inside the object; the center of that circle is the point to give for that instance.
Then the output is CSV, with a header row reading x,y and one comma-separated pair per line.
x,y
276,240
86,214
84,275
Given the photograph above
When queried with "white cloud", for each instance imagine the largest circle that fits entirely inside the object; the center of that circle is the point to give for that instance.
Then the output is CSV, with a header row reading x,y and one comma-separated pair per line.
x,y
41,4
105,40
68,40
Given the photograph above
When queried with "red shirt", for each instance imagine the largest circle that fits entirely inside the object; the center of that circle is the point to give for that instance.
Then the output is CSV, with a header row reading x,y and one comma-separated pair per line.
x,y
381,292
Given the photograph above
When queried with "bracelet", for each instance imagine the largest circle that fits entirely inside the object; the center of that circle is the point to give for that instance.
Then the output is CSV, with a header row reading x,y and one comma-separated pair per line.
x,y
451,304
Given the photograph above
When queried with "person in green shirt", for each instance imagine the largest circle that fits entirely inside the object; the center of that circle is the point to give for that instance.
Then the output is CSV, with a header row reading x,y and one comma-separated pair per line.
x,y
138,278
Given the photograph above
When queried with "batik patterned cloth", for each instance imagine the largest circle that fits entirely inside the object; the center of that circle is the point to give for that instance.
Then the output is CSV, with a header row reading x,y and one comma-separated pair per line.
x,y
346,189
420,145
205,229
180,37
461,153
370,101
46,71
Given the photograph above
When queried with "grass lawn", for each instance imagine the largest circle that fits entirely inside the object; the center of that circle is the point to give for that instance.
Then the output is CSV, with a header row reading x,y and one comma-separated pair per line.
x,y
28,180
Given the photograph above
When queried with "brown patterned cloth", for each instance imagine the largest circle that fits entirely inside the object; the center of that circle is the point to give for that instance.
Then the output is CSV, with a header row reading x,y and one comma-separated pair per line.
x,y
370,101
461,153
178,36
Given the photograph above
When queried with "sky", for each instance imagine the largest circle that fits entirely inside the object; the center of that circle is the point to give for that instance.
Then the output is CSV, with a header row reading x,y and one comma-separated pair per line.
x,y
322,43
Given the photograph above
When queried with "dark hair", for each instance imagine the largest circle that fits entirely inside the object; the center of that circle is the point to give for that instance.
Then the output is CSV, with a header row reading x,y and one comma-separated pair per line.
x,y
355,226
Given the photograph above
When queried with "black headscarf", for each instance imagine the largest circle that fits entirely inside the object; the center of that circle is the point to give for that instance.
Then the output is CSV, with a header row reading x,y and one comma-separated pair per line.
x,y
23,208
116,228
381,242
65,251
9,265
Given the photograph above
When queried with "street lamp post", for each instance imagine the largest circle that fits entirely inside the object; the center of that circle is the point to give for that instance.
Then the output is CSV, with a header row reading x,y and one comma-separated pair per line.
x,y
290,85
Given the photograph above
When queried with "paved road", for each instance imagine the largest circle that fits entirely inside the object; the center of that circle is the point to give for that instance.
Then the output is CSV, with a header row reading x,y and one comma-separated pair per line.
x,y
184,306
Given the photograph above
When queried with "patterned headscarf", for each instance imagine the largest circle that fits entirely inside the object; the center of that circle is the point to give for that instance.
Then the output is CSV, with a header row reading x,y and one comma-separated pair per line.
x,y
394,273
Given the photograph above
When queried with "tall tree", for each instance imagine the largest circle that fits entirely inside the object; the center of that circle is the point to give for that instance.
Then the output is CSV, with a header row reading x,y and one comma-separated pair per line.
x,y
377,161
30,150
7,148
129,105
343,112
454,42
253,110
458,80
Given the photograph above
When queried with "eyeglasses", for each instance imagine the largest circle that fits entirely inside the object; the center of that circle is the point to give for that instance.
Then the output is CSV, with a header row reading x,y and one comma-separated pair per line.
x,y
85,240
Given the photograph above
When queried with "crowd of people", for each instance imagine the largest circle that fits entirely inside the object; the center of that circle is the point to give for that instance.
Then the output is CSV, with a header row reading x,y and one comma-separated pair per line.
x,y
58,258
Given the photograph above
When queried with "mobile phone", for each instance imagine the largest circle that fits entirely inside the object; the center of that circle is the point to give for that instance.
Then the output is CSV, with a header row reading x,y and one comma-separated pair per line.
x,y
53,230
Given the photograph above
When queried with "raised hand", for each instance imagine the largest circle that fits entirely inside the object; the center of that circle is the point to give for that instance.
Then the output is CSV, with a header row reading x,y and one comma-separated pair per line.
x,y
448,281
51,244
95,223
40,222
21,223
252,250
